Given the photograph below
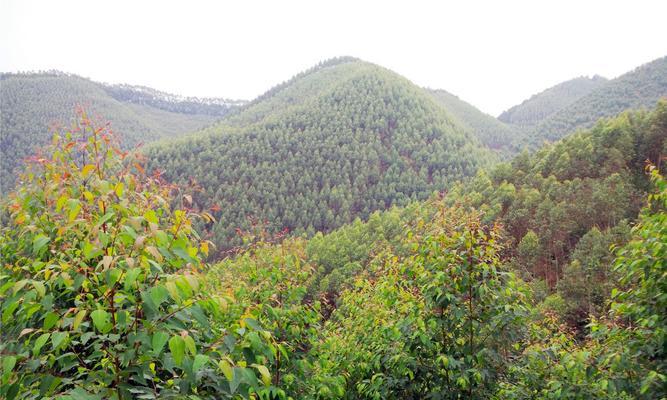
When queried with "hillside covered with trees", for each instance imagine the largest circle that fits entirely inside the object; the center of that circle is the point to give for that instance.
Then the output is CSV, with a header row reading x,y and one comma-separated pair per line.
x,y
541,105
335,143
521,284
33,104
639,88
495,134
347,235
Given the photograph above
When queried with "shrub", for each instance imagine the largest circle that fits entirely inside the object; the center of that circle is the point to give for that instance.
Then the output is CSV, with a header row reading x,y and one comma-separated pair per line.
x,y
100,292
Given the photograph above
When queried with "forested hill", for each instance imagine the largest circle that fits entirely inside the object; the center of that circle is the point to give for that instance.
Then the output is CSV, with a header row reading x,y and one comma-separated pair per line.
x,y
171,102
490,131
542,105
337,142
32,103
640,88
525,282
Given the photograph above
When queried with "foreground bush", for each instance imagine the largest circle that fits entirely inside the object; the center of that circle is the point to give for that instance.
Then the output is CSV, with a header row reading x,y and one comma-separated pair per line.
x,y
100,292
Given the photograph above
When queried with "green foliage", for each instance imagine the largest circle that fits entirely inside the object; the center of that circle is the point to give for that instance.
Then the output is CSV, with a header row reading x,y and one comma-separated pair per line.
x,y
589,278
101,294
544,104
554,366
439,322
642,300
269,284
492,132
624,355
334,144
32,104
547,202
640,88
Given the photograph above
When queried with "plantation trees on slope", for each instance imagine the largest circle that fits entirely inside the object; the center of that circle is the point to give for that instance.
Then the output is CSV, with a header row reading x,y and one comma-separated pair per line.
x,y
423,301
639,88
34,103
564,206
540,106
493,133
341,141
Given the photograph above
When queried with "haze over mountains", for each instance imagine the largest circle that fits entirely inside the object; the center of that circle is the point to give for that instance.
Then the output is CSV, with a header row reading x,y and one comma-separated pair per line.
x,y
32,104
543,104
639,88
339,141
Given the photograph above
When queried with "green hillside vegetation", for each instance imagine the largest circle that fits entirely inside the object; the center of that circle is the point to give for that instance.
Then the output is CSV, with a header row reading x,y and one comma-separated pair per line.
x,y
542,105
452,297
34,103
489,130
101,291
640,88
169,102
564,206
337,142
543,278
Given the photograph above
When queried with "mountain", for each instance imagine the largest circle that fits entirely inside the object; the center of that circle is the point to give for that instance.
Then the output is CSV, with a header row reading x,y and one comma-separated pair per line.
x,y
506,275
175,103
334,143
492,132
34,102
639,88
542,105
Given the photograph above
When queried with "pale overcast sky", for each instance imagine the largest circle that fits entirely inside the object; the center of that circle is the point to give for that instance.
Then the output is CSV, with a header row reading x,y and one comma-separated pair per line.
x,y
493,54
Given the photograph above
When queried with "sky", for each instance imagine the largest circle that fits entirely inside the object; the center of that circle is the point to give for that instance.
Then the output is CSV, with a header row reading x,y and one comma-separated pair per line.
x,y
493,54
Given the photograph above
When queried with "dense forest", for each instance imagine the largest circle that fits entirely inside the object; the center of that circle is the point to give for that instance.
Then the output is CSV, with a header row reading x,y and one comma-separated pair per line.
x,y
498,136
346,235
460,296
34,104
640,88
541,105
169,102
335,143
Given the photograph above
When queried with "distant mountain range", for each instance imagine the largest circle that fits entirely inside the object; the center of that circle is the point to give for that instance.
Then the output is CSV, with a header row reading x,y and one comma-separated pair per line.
x,y
33,103
544,104
335,142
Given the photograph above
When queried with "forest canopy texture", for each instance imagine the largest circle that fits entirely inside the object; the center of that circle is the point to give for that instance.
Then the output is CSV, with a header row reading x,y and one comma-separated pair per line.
x,y
346,235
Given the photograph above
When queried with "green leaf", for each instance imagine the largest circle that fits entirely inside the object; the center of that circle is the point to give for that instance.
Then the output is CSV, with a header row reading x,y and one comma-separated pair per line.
x,y
78,319
190,344
82,394
266,376
131,277
39,242
226,369
101,320
39,287
87,169
57,339
236,379
158,295
74,207
8,312
8,363
251,322
39,343
200,361
177,349
50,320
158,341
20,285
151,217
